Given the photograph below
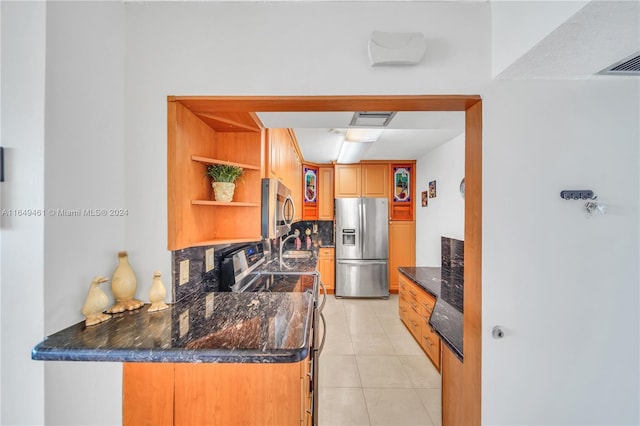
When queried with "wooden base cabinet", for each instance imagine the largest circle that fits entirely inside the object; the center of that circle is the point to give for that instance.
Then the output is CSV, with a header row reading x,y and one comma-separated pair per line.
x,y
402,249
415,306
187,394
452,389
327,268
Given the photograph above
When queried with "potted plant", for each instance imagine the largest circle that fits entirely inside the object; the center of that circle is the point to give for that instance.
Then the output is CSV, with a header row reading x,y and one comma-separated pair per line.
x,y
223,180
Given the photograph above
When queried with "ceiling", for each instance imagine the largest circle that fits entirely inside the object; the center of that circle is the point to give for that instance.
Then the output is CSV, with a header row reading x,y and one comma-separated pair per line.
x,y
409,135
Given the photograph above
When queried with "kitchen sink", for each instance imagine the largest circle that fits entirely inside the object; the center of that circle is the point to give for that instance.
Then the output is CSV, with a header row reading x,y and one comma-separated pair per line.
x,y
297,254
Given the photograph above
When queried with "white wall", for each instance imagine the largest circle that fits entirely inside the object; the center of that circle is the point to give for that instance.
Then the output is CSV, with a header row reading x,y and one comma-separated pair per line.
x,y
444,214
564,286
22,249
84,170
517,26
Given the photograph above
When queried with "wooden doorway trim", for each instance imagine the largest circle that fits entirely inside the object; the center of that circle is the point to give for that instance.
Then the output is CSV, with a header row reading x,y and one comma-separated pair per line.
x,y
468,399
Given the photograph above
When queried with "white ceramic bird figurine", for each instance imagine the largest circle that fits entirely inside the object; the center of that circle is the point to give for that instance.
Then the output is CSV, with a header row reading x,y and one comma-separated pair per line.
x,y
123,286
96,302
157,294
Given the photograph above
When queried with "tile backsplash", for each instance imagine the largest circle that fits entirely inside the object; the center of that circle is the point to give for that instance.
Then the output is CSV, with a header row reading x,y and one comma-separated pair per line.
x,y
201,281
324,236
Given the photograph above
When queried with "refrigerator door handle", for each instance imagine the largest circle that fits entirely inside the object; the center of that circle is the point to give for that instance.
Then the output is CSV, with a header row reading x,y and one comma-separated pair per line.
x,y
361,262
363,222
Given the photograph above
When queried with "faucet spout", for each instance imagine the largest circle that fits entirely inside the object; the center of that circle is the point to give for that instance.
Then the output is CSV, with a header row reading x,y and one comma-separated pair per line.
x,y
282,243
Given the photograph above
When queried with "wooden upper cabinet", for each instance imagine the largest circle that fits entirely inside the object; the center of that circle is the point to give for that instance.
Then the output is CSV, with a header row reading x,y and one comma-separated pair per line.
x,y
362,180
348,180
375,180
284,162
325,194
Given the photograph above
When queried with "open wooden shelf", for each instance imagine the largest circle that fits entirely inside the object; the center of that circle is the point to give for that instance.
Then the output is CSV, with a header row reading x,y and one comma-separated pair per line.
x,y
200,138
227,241
224,203
207,160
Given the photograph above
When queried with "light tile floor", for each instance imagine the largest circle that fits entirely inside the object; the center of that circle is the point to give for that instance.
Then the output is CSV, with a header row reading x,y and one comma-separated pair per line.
x,y
372,371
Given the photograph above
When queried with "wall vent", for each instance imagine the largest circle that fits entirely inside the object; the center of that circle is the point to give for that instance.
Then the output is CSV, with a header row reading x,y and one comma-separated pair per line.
x,y
628,66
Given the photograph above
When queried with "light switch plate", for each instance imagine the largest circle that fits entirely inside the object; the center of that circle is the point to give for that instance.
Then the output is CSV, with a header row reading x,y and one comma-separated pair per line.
x,y
209,259
184,272
184,323
208,310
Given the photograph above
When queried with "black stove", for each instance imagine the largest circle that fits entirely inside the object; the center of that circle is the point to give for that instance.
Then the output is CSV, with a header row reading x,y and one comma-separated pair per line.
x,y
240,271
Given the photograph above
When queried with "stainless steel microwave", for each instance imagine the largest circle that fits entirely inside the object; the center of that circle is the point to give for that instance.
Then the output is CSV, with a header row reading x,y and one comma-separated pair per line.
x,y
278,209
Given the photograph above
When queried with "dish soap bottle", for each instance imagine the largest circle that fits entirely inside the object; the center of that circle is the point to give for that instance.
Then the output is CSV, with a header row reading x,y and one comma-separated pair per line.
x,y
308,233
298,242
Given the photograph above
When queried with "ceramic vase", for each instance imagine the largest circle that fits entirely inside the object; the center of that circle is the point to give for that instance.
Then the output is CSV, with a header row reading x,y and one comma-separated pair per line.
x,y
123,286
157,294
223,191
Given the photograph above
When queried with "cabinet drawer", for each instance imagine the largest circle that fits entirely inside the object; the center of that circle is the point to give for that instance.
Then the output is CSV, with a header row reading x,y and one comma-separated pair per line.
x,y
415,309
430,342
414,324
427,302
403,310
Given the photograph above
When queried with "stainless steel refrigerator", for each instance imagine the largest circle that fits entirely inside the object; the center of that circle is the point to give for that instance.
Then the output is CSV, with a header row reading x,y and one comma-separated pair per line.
x,y
362,247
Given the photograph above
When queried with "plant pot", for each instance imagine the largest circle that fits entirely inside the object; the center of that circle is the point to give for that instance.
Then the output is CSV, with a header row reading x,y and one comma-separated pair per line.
x,y
223,191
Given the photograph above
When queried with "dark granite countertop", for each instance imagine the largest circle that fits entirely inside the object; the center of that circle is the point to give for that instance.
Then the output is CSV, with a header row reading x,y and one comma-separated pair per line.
x,y
213,327
296,266
446,320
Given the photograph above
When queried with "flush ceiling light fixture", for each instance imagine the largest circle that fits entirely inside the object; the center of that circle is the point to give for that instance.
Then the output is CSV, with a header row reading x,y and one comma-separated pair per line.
x,y
362,135
356,142
352,152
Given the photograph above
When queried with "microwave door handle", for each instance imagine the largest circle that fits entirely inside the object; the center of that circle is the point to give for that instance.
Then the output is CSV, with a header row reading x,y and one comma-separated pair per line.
x,y
293,211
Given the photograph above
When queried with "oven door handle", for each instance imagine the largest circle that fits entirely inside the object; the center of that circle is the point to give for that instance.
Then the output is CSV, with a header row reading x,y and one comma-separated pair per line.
x,y
324,333
324,294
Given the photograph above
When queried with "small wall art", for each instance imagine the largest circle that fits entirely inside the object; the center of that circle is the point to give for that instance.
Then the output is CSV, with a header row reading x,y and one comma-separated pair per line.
x,y
432,189
425,198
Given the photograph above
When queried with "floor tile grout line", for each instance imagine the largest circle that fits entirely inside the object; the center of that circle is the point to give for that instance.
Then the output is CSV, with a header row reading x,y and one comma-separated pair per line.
x,y
381,316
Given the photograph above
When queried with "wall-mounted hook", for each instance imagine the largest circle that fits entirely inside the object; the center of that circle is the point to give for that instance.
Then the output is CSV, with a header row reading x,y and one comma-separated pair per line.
x,y
584,194
591,206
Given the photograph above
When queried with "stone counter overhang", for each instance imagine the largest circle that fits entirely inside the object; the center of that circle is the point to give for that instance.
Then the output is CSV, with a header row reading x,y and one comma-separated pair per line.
x,y
446,320
219,327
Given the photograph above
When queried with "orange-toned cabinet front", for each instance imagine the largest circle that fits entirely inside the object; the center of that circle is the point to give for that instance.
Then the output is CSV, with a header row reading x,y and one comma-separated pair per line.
x,y
277,394
415,306
325,194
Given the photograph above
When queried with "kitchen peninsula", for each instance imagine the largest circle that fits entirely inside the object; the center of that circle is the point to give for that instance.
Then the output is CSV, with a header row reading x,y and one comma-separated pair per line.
x,y
208,354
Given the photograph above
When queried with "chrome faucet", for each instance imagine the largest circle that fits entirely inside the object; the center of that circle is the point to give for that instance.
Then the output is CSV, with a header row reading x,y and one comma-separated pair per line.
x,y
282,243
